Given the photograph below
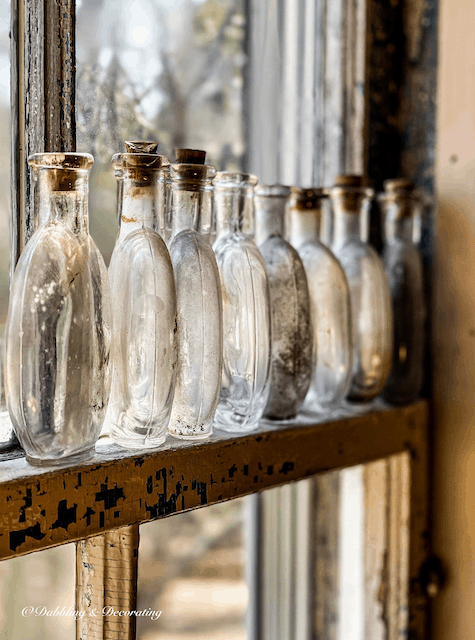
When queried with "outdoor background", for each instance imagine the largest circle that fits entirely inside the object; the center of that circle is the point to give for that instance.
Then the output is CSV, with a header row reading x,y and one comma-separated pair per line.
x,y
170,71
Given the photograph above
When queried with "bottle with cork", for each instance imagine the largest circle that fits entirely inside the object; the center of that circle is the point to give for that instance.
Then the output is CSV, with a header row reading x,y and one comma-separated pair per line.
x,y
144,303
58,331
329,298
372,322
199,304
400,204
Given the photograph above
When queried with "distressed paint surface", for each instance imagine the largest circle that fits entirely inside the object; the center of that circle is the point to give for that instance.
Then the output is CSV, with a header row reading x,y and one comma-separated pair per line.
x,y
43,508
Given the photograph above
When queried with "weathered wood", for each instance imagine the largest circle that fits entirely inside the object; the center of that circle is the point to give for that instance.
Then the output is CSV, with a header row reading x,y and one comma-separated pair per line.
x,y
60,75
45,507
106,585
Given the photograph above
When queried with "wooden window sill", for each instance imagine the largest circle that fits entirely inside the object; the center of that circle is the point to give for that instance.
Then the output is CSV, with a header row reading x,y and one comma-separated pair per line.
x,y
44,507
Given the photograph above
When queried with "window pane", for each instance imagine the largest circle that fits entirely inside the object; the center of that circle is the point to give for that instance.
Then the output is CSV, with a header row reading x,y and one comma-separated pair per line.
x,y
160,70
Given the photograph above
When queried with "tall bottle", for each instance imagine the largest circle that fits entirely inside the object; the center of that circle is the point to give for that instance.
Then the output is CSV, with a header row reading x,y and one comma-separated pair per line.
x,y
199,306
400,203
58,330
330,302
369,290
144,303
291,360
246,307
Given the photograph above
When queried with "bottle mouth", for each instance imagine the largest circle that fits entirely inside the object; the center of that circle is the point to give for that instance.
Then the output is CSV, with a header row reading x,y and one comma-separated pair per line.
x,y
62,160
303,198
276,190
192,173
234,180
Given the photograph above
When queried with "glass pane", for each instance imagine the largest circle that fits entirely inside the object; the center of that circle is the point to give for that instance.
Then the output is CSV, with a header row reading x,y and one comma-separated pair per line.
x,y
191,567
162,70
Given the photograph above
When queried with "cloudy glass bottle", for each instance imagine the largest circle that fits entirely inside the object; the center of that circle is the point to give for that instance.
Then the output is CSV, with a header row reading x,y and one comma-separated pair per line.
x,y
246,307
330,302
144,303
58,330
291,359
369,290
199,306
400,204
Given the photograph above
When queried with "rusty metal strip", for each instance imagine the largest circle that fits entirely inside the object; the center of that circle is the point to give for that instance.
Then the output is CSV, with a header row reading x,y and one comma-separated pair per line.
x,y
44,508
106,585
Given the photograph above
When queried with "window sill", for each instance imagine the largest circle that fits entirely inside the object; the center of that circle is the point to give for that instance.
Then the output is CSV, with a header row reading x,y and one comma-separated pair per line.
x,y
42,508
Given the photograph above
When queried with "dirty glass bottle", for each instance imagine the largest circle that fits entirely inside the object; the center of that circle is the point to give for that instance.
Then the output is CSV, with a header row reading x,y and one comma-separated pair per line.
x,y
144,303
291,359
199,306
58,330
399,204
330,302
369,291
246,307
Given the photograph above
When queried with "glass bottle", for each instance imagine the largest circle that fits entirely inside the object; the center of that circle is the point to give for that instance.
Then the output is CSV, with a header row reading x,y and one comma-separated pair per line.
x,y
59,321
144,303
399,204
330,302
369,291
199,306
246,307
291,360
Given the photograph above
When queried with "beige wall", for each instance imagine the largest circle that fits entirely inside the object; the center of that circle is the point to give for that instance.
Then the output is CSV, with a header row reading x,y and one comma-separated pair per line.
x,y
454,323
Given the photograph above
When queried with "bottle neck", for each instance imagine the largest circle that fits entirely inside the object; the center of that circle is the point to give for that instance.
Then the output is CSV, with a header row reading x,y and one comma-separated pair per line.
x,y
141,204
186,209
269,216
61,195
304,225
398,217
233,209
346,227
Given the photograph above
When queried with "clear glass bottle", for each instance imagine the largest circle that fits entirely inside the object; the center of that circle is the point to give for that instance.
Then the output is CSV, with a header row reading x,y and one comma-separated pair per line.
x,y
399,204
291,360
144,304
369,290
246,307
199,306
330,302
58,330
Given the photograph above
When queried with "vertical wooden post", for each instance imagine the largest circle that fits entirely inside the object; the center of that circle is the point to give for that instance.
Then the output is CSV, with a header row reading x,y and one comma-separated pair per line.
x,y
106,585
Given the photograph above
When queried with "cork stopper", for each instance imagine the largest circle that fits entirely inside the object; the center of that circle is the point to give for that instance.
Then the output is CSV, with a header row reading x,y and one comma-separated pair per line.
x,y
66,171
396,185
141,146
190,156
348,180
140,158
303,198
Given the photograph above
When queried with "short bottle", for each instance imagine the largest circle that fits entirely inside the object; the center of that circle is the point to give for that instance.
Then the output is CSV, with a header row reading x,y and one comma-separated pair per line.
x,y
399,204
144,303
199,306
330,302
369,290
291,359
246,307
58,331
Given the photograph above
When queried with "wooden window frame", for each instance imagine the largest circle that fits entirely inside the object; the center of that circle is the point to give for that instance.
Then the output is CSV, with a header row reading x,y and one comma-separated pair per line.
x,y
107,498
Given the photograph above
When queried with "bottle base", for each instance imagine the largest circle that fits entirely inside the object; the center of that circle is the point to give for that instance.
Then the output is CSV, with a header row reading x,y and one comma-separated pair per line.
x,y
186,432
139,443
234,424
67,461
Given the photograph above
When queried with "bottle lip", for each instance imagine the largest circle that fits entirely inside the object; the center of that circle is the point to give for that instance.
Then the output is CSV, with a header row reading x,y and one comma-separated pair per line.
x,y
234,179
279,190
61,160
307,198
394,185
